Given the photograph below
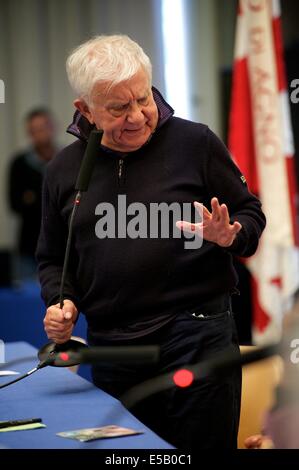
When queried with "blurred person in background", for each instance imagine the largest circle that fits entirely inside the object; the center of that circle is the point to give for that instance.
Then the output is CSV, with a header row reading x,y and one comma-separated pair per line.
x,y
25,176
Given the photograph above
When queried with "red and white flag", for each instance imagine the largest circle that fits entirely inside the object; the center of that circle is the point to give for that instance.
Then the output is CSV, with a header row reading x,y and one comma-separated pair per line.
x,y
261,142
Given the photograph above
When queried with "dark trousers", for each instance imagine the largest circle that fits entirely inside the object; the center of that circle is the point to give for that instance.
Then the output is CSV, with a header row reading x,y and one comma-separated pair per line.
x,y
202,416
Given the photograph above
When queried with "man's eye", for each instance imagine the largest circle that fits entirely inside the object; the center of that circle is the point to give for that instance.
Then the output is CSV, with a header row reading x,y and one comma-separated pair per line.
x,y
120,107
118,110
143,100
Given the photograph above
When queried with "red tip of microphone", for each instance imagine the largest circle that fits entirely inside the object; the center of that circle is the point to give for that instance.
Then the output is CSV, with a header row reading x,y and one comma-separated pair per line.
x,y
77,202
64,356
183,378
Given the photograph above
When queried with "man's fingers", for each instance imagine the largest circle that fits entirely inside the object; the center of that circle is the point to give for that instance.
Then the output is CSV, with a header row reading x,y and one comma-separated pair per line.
x,y
224,214
58,326
186,226
200,208
59,340
216,210
59,323
198,205
55,314
237,226
253,442
69,309
206,214
68,315
258,442
219,213
58,315
58,334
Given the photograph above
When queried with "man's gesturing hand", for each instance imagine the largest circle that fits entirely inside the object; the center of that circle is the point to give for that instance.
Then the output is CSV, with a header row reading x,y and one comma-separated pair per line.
x,y
215,226
59,323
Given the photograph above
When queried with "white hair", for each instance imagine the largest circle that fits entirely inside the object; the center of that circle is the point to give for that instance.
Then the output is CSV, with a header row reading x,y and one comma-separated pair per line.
x,y
111,59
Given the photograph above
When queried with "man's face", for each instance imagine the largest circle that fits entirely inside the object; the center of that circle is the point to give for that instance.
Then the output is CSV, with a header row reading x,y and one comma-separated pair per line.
x,y
127,112
40,130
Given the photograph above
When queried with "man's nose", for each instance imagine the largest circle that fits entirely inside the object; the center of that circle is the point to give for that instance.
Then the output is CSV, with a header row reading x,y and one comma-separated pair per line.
x,y
135,114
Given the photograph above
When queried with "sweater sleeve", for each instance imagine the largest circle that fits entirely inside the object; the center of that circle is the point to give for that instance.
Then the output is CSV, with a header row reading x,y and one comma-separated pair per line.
x,y
51,250
225,181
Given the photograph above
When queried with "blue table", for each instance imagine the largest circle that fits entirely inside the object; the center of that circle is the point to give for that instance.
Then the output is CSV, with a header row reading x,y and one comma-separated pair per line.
x,y
65,402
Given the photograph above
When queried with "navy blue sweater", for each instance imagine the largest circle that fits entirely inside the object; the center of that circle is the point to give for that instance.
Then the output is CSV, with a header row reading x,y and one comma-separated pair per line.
x,y
118,283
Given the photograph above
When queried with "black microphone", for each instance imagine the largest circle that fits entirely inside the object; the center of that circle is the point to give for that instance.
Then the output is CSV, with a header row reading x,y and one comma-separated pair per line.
x,y
117,354
48,353
49,361
89,159
82,183
219,364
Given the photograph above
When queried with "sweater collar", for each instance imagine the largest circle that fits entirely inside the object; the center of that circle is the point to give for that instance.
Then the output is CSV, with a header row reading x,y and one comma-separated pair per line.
x,y
81,128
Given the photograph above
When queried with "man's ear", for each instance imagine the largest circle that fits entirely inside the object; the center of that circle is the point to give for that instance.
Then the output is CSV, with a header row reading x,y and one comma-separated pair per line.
x,y
82,106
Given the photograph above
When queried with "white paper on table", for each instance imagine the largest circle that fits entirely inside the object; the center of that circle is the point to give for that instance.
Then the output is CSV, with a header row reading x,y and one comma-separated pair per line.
x,y
4,373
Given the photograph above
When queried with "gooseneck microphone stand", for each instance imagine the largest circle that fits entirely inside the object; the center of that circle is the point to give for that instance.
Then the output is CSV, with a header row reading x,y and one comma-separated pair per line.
x,y
48,353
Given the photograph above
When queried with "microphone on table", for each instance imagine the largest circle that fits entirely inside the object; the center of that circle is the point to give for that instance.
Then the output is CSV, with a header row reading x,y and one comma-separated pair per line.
x,y
185,376
69,357
128,354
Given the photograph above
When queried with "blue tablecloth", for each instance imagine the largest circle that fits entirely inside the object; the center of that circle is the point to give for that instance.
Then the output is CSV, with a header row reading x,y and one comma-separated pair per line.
x,y
65,402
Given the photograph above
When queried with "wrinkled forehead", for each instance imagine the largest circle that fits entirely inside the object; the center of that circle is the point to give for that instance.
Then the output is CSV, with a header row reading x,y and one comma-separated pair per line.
x,y
135,87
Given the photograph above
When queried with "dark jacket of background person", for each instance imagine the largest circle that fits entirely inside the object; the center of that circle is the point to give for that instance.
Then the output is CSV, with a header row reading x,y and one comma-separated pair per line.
x,y
25,185
25,177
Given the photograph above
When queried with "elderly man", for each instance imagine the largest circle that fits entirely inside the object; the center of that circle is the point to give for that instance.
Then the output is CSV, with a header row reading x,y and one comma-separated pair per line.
x,y
148,289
